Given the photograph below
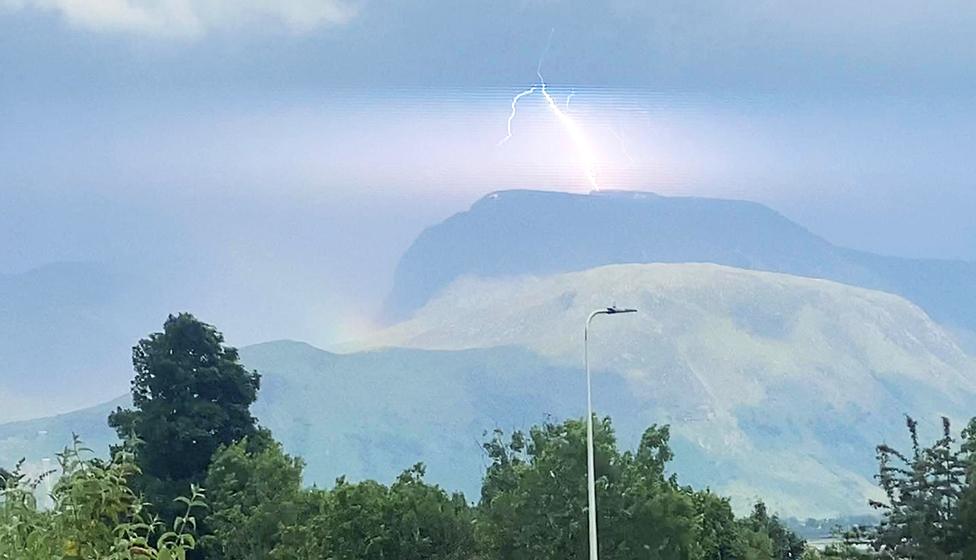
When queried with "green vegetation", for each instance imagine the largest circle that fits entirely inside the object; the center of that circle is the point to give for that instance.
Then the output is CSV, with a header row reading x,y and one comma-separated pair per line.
x,y
931,499
191,428
774,386
533,502
255,496
190,395
409,520
95,514
806,375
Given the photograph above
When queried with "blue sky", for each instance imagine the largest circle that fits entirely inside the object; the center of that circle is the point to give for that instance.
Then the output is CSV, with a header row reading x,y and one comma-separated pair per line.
x,y
318,137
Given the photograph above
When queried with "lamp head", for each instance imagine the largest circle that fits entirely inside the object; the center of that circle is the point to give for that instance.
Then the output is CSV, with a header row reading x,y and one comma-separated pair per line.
x,y
614,310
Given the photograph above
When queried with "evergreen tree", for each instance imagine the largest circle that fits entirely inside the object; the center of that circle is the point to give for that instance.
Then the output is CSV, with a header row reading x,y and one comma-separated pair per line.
x,y
925,515
190,396
967,500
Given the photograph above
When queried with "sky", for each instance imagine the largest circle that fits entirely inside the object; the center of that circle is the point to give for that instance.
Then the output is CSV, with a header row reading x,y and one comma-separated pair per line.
x,y
285,152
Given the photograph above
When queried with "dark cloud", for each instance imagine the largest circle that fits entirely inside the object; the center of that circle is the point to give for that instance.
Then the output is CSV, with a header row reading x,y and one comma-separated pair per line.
x,y
721,44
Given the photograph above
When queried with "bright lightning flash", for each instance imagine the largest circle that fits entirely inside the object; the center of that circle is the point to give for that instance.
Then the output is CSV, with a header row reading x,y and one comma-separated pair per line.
x,y
584,152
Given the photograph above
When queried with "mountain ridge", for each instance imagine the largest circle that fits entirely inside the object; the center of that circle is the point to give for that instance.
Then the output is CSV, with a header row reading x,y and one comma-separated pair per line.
x,y
516,232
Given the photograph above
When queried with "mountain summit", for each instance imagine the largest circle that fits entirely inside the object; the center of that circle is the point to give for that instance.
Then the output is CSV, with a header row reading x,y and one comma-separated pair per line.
x,y
511,233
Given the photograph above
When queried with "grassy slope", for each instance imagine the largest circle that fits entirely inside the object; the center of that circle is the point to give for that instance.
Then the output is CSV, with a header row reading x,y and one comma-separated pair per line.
x,y
786,382
775,386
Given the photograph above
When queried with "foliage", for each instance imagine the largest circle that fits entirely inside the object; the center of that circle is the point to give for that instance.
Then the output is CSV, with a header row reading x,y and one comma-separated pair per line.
x,y
785,544
191,424
533,503
254,496
410,520
718,534
758,537
928,513
95,515
967,499
191,395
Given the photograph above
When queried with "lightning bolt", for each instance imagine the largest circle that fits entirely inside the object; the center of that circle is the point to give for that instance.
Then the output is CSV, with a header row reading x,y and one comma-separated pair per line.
x,y
623,147
585,153
511,116
576,134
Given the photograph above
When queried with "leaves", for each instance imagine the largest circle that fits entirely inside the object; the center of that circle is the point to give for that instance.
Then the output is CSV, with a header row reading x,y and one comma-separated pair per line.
x,y
928,493
191,396
534,505
96,514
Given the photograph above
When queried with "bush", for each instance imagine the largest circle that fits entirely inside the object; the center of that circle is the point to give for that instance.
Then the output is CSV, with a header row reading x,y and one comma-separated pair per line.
x,y
95,514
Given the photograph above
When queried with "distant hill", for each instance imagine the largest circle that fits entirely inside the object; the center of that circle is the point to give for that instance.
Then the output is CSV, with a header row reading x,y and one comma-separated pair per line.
x,y
775,386
66,334
38,438
369,414
66,329
535,232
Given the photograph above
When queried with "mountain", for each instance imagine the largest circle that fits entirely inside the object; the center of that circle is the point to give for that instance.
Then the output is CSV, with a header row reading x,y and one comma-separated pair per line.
x,y
66,329
786,383
66,333
35,439
368,414
534,232
775,385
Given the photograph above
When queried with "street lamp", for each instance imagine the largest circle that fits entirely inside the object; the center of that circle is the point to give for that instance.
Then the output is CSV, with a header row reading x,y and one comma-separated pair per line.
x,y
590,476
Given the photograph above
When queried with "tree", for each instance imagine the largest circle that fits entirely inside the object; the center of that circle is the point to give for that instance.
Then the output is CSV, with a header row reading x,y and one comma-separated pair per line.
x,y
533,502
253,496
786,545
410,520
967,498
716,527
928,513
752,544
722,537
190,395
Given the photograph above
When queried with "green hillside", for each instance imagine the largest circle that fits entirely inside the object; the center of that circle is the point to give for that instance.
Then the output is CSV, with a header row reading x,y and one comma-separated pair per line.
x,y
786,382
372,414
775,386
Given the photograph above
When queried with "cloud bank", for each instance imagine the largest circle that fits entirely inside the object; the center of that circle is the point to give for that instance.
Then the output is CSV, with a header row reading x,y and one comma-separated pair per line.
x,y
190,18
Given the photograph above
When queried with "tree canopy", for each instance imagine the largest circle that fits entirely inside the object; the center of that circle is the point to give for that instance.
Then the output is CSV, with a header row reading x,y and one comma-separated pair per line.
x,y
930,500
190,396
190,424
533,503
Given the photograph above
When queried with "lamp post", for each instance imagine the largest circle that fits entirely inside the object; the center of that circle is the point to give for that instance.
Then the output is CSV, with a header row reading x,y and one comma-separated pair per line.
x,y
590,475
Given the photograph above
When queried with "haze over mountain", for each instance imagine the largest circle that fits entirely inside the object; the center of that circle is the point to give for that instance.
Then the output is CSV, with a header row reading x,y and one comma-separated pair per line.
x,y
535,232
775,386
66,330
65,322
